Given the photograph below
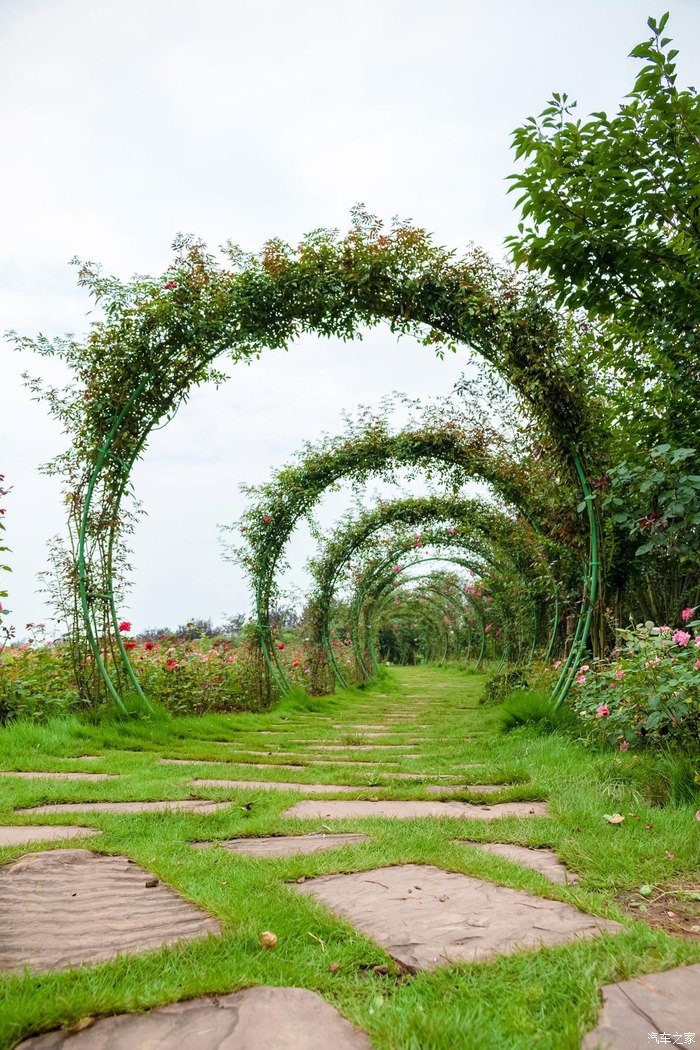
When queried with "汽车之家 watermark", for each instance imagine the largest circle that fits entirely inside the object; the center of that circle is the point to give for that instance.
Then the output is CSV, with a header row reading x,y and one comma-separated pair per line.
x,y
672,1038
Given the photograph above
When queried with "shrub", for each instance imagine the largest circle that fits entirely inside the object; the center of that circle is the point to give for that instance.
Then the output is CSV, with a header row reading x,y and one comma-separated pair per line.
x,y
649,689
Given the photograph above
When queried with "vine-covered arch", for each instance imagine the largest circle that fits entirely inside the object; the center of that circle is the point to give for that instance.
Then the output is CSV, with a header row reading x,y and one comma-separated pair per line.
x,y
458,453
481,527
160,337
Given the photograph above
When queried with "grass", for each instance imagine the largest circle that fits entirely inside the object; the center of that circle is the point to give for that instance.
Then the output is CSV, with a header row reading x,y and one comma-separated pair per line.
x,y
536,709
545,998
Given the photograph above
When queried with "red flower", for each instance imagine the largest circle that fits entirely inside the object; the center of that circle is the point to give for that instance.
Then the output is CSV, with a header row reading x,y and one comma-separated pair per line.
x,y
131,645
149,645
125,625
170,284
267,520
280,645
295,663
170,664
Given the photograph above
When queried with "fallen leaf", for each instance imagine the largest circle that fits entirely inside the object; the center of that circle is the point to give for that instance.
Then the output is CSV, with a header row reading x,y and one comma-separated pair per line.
x,y
648,827
616,818
671,914
645,890
268,939
381,968
302,878
671,856
82,1024
333,967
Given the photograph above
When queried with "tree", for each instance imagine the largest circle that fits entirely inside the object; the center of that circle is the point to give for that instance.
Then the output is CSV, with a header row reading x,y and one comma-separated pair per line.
x,y
611,214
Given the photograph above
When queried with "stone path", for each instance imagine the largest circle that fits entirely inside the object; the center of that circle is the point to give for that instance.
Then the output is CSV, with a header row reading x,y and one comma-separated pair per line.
x,y
186,805
289,845
71,906
34,775
65,907
255,1019
637,1013
412,810
543,860
20,834
426,917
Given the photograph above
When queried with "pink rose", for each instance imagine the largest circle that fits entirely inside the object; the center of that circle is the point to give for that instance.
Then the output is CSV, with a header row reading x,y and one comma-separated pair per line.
x,y
603,711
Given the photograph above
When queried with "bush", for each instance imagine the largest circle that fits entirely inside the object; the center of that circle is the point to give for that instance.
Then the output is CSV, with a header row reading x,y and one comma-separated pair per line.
x,y
648,691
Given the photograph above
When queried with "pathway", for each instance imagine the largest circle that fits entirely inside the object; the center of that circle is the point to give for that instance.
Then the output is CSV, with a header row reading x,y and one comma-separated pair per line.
x,y
424,908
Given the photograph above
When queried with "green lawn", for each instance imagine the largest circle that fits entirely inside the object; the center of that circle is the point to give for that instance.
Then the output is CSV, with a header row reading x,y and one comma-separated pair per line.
x,y
546,997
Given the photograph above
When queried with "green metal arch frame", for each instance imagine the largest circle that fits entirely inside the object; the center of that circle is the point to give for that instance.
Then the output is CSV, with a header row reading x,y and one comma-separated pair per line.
x,y
107,452
398,551
388,585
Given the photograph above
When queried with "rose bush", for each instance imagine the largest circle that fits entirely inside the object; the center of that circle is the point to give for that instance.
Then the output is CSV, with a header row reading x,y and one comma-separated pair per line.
x,y
648,690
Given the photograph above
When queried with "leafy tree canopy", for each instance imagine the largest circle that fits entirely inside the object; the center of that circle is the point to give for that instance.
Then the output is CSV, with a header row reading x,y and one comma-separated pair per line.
x,y
611,213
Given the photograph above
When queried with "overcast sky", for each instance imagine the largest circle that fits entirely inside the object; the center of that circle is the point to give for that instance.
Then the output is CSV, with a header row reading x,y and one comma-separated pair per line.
x,y
126,121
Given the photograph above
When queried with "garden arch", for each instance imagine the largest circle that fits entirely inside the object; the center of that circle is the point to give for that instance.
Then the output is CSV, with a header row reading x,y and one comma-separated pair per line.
x,y
160,337
481,526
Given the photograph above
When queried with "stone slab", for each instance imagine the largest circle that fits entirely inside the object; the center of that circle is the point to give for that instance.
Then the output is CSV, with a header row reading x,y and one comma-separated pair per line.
x,y
543,860
254,1019
426,917
68,907
344,810
36,775
288,845
458,789
362,747
272,785
188,805
266,754
19,834
658,1003
231,762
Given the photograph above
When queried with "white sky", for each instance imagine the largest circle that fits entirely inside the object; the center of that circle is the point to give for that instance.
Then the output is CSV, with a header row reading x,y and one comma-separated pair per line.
x,y
126,121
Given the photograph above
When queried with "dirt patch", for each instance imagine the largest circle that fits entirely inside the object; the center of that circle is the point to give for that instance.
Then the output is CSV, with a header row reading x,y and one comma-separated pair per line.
x,y
675,909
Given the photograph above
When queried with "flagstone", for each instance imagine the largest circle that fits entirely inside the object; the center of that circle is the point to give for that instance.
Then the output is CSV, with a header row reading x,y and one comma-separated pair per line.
x,y
638,1012
426,917
188,805
272,785
344,810
287,845
37,775
19,834
543,860
67,907
255,1019
230,762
